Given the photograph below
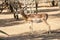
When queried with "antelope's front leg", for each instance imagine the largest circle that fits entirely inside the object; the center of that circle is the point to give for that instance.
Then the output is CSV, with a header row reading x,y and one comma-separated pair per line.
x,y
31,27
45,21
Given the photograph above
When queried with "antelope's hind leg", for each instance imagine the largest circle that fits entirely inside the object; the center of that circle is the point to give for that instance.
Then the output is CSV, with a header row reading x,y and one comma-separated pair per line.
x,y
49,27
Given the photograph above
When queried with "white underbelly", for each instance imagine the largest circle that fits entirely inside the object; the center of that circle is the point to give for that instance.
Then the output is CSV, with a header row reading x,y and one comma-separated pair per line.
x,y
36,19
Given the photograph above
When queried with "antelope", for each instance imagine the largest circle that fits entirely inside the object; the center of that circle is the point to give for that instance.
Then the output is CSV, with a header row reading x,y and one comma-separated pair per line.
x,y
31,17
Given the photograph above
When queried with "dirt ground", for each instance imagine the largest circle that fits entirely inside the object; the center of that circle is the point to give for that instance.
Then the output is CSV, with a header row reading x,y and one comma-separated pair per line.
x,y
19,30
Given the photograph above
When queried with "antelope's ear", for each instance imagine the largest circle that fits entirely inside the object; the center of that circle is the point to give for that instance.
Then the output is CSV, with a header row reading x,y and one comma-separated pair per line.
x,y
22,4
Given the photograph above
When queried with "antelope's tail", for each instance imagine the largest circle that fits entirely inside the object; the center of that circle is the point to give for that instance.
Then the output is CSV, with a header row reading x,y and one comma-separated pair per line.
x,y
46,16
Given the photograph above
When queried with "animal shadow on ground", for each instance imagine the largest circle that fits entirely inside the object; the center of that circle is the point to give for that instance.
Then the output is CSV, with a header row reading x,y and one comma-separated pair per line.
x,y
54,15
55,34
10,22
57,15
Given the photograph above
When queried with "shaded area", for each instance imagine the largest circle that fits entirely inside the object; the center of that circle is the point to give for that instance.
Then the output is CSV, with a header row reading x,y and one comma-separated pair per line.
x,y
1,39
57,15
55,34
7,13
39,10
10,22
45,10
54,15
35,36
48,10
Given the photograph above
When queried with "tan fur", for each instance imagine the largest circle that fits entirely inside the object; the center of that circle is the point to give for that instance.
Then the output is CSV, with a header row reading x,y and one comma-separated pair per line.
x,y
42,16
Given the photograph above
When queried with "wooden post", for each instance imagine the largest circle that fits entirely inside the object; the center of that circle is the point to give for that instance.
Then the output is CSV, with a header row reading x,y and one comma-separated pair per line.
x,y
36,7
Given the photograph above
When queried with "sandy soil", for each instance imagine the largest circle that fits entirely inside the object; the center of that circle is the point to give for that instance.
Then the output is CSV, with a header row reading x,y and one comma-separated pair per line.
x,y
17,28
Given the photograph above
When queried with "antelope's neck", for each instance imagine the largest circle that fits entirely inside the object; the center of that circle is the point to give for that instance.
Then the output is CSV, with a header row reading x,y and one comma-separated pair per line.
x,y
24,15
